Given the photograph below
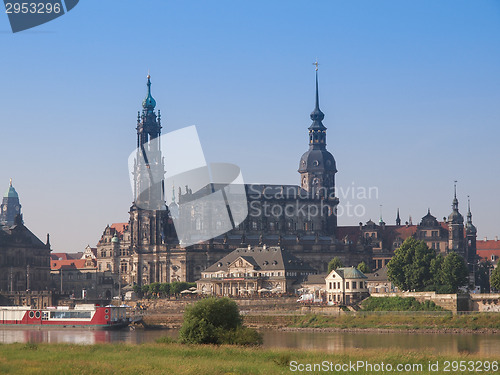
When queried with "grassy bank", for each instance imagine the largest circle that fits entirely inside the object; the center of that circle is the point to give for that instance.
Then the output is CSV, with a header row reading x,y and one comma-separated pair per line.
x,y
414,321
178,359
371,320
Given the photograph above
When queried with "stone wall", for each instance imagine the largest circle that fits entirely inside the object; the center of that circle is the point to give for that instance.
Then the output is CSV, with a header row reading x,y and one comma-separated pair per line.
x,y
485,302
452,302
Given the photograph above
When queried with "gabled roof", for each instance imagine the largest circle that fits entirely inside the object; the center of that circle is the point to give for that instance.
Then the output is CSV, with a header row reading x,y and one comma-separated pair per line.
x,y
247,259
379,275
349,273
264,259
119,227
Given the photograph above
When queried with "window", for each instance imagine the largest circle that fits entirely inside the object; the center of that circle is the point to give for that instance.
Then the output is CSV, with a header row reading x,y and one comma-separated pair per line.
x,y
330,286
437,245
434,233
354,286
338,285
347,285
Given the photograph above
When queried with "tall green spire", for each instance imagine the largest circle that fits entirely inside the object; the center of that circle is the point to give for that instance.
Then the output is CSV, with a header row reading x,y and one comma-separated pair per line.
x,y
149,103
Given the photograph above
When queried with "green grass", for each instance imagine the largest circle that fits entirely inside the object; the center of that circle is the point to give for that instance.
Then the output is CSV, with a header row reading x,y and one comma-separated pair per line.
x,y
183,359
398,321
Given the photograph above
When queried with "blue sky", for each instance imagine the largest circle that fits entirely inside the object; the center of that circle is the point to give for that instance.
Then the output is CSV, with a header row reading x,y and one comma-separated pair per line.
x,y
410,92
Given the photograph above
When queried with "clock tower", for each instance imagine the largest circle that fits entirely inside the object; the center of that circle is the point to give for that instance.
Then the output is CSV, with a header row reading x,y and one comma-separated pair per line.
x,y
10,207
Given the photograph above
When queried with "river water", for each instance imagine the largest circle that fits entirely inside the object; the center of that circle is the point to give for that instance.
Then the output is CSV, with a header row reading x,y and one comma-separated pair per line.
x,y
486,344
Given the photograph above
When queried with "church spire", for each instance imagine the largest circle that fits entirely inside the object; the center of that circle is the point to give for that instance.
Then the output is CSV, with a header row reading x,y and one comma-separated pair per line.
x,y
469,214
398,219
316,115
149,103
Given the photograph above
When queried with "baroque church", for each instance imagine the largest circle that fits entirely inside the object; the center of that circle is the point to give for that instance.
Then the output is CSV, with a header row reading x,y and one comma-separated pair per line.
x,y
300,219
24,259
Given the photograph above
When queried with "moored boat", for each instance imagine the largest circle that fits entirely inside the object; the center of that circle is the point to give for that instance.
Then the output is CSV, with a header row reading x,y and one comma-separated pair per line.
x,y
81,316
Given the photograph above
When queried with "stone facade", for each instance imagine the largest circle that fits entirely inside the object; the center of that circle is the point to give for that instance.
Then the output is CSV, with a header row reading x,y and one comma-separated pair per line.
x,y
346,286
300,219
24,259
254,271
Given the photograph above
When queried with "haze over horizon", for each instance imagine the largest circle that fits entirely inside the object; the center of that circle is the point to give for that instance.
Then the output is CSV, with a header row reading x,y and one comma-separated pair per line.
x,y
410,93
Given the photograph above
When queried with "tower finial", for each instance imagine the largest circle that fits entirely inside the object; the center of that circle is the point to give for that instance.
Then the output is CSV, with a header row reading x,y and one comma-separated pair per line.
x,y
317,91
149,103
468,204
398,219
456,189
10,182
316,115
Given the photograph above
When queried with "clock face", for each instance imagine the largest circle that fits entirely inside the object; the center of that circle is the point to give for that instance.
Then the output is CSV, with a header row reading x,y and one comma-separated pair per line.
x,y
4,208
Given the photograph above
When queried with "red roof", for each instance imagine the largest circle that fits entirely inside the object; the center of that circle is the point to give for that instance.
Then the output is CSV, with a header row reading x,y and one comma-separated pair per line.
x,y
57,256
119,227
405,231
488,245
69,264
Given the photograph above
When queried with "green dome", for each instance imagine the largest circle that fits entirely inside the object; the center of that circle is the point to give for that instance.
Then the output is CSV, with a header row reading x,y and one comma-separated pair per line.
x,y
11,192
115,239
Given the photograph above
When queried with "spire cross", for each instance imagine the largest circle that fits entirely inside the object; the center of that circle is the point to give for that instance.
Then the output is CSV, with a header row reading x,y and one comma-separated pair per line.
x,y
316,65
456,188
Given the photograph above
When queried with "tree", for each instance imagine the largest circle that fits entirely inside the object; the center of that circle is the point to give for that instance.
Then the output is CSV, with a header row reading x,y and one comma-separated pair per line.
x,y
454,273
154,289
216,321
334,264
165,289
495,278
363,267
410,267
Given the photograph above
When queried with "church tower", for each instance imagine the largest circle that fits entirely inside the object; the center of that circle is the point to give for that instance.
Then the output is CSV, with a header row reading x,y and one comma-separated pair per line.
x,y
456,228
317,166
10,207
471,234
149,216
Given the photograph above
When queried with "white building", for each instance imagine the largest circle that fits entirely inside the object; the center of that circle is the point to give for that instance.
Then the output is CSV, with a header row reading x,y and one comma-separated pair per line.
x,y
346,286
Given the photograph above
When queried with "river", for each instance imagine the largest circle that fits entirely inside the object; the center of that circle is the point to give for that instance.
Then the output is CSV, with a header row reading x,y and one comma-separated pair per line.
x,y
487,344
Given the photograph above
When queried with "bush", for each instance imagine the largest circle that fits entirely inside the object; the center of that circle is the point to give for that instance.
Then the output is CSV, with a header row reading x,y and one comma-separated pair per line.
x,y
240,336
216,321
398,304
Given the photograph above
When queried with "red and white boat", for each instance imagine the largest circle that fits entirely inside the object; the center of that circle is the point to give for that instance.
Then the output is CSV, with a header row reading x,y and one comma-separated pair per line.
x,y
81,316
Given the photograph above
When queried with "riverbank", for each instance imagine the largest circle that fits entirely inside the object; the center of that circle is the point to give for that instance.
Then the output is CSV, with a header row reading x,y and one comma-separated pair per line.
x,y
181,359
359,322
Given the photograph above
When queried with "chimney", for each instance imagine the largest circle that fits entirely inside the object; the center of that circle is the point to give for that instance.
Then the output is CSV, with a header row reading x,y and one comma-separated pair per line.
x,y
264,247
496,238
485,239
249,247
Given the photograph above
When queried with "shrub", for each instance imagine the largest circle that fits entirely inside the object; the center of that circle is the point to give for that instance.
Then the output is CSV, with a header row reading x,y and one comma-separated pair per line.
x,y
216,321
